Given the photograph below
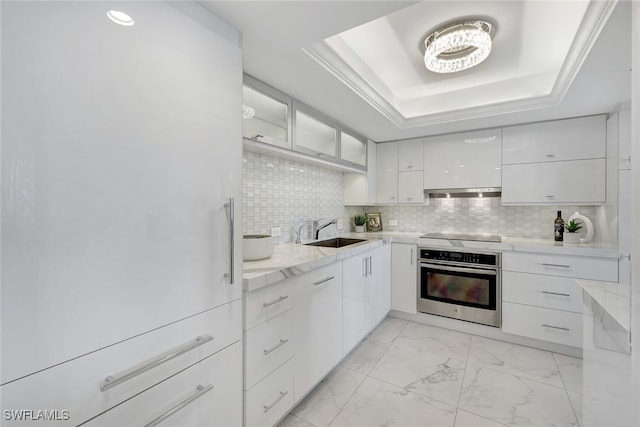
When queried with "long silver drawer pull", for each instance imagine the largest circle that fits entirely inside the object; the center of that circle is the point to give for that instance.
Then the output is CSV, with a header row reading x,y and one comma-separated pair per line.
x,y
370,266
200,391
280,344
551,197
320,282
556,265
551,155
555,327
282,395
364,267
116,379
230,205
411,257
269,304
556,293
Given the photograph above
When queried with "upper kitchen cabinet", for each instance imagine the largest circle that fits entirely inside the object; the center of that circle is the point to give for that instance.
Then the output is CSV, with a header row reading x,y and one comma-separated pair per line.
x,y
387,172
353,149
265,114
463,160
570,139
315,134
555,162
410,155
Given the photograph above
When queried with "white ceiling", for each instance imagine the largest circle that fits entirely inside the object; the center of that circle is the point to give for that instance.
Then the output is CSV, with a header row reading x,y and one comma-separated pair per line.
x,y
360,61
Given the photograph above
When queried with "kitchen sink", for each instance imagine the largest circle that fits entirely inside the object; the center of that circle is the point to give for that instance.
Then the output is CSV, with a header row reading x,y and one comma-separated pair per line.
x,y
337,242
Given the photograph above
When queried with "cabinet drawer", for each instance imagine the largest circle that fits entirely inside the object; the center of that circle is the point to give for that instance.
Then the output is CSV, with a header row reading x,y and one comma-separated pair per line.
x,y
75,385
268,302
208,393
268,346
560,293
272,398
593,268
545,324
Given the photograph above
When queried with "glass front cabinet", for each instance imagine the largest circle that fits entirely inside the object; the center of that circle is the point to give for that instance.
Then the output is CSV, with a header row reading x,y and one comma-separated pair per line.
x,y
266,114
273,118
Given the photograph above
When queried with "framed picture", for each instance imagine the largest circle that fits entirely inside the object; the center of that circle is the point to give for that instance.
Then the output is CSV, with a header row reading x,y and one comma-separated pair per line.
x,y
374,221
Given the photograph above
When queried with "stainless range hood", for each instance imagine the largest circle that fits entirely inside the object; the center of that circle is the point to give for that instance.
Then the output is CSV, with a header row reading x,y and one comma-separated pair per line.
x,y
465,192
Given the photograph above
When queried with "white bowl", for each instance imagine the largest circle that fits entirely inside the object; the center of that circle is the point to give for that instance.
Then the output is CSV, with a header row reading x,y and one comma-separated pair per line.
x,y
256,246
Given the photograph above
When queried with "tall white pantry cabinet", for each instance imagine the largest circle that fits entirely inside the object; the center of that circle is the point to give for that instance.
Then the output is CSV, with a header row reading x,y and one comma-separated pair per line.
x,y
121,260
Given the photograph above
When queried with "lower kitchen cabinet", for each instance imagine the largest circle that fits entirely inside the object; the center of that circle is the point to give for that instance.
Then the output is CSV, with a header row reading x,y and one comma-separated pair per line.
x,y
271,399
404,277
378,286
540,298
318,325
208,393
354,301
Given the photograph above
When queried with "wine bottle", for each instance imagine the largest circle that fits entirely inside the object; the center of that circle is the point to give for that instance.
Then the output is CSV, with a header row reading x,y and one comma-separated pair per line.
x,y
558,227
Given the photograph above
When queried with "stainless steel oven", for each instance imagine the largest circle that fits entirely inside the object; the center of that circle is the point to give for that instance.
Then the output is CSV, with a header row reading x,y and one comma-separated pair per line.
x,y
461,284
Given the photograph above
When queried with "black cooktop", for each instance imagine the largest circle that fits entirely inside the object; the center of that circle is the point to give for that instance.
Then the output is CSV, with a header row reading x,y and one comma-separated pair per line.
x,y
462,236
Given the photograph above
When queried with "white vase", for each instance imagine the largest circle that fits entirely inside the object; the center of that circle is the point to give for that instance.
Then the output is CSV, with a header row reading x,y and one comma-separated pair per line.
x,y
359,228
571,238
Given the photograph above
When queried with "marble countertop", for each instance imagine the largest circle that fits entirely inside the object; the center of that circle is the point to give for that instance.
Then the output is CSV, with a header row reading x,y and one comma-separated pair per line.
x,y
290,259
609,299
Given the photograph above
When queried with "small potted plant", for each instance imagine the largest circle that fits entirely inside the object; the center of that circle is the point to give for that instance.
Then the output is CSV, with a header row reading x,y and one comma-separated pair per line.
x,y
359,220
572,235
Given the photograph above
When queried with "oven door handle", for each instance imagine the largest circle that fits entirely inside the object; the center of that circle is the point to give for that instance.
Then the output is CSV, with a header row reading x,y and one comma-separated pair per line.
x,y
489,271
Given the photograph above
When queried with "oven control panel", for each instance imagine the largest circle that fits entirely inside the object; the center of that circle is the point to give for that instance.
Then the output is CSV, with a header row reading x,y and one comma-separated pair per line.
x,y
460,257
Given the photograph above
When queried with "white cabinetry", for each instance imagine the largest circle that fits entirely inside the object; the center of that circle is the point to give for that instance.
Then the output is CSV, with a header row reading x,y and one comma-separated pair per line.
x,y
378,286
360,188
366,294
399,172
540,298
557,162
411,155
387,172
575,182
463,160
404,277
318,325
111,230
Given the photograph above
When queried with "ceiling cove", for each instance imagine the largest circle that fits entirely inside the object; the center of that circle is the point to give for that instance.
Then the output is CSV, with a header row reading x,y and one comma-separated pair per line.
x,y
538,50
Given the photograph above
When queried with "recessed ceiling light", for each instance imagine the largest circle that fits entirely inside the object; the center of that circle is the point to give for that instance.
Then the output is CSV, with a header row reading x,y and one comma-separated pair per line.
x,y
120,18
457,47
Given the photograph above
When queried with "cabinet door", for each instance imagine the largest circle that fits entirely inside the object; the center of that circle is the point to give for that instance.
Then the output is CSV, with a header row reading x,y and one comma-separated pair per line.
x,y
387,172
576,182
353,150
360,188
378,286
314,133
265,114
111,225
570,139
404,277
410,187
410,155
624,139
463,160
318,325
354,298
208,393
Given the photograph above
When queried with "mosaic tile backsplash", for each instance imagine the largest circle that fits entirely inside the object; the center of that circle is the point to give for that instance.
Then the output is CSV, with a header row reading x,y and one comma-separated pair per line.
x,y
287,194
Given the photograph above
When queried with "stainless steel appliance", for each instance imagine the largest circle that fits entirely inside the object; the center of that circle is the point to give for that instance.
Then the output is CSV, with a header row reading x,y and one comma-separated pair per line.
x,y
457,236
461,284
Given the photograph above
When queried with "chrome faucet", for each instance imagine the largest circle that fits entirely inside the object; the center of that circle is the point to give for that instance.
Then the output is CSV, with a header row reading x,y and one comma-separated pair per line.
x,y
298,236
317,227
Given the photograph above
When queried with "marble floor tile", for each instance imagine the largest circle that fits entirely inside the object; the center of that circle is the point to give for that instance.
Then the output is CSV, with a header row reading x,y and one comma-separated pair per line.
x,y
293,421
364,357
467,419
513,400
388,330
570,371
430,375
378,404
515,359
436,340
324,402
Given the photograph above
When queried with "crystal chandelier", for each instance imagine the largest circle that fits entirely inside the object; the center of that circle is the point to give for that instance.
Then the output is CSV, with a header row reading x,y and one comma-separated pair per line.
x,y
458,46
